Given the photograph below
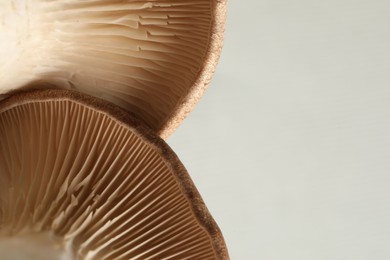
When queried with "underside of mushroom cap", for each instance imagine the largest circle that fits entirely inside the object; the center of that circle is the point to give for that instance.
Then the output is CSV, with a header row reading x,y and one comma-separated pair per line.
x,y
153,58
81,179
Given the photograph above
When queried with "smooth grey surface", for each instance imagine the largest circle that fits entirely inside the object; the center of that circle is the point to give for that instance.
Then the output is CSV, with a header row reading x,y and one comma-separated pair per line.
x,y
290,146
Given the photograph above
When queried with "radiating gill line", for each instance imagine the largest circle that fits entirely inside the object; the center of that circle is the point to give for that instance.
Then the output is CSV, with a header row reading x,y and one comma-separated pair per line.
x,y
32,182
136,73
107,213
130,240
190,230
62,153
140,251
185,251
84,189
184,48
108,187
180,225
68,160
117,229
129,71
131,60
84,203
63,170
133,217
76,7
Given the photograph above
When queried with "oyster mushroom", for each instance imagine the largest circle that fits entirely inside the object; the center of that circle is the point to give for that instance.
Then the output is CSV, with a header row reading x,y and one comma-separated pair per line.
x,y
153,58
80,178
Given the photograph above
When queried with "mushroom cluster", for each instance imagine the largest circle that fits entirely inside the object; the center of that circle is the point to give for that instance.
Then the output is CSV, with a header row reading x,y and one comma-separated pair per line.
x,y
89,89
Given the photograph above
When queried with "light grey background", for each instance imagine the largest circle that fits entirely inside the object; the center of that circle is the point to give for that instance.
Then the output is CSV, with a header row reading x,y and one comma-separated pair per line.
x,y
290,145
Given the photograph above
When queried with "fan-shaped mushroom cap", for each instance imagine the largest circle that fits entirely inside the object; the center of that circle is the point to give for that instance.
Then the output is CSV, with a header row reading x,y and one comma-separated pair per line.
x,y
81,179
153,58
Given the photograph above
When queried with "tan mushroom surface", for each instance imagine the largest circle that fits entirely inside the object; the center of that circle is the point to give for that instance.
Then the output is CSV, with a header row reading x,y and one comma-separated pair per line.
x,y
153,58
81,179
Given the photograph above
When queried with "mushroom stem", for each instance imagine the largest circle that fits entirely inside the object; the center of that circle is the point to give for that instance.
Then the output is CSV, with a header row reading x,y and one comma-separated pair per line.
x,y
34,246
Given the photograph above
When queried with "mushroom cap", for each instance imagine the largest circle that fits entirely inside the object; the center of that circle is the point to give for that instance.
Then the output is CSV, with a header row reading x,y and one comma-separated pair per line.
x,y
82,178
153,58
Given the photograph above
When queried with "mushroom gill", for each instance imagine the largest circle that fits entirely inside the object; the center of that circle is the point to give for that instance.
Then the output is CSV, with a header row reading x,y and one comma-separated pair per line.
x,y
81,179
153,58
